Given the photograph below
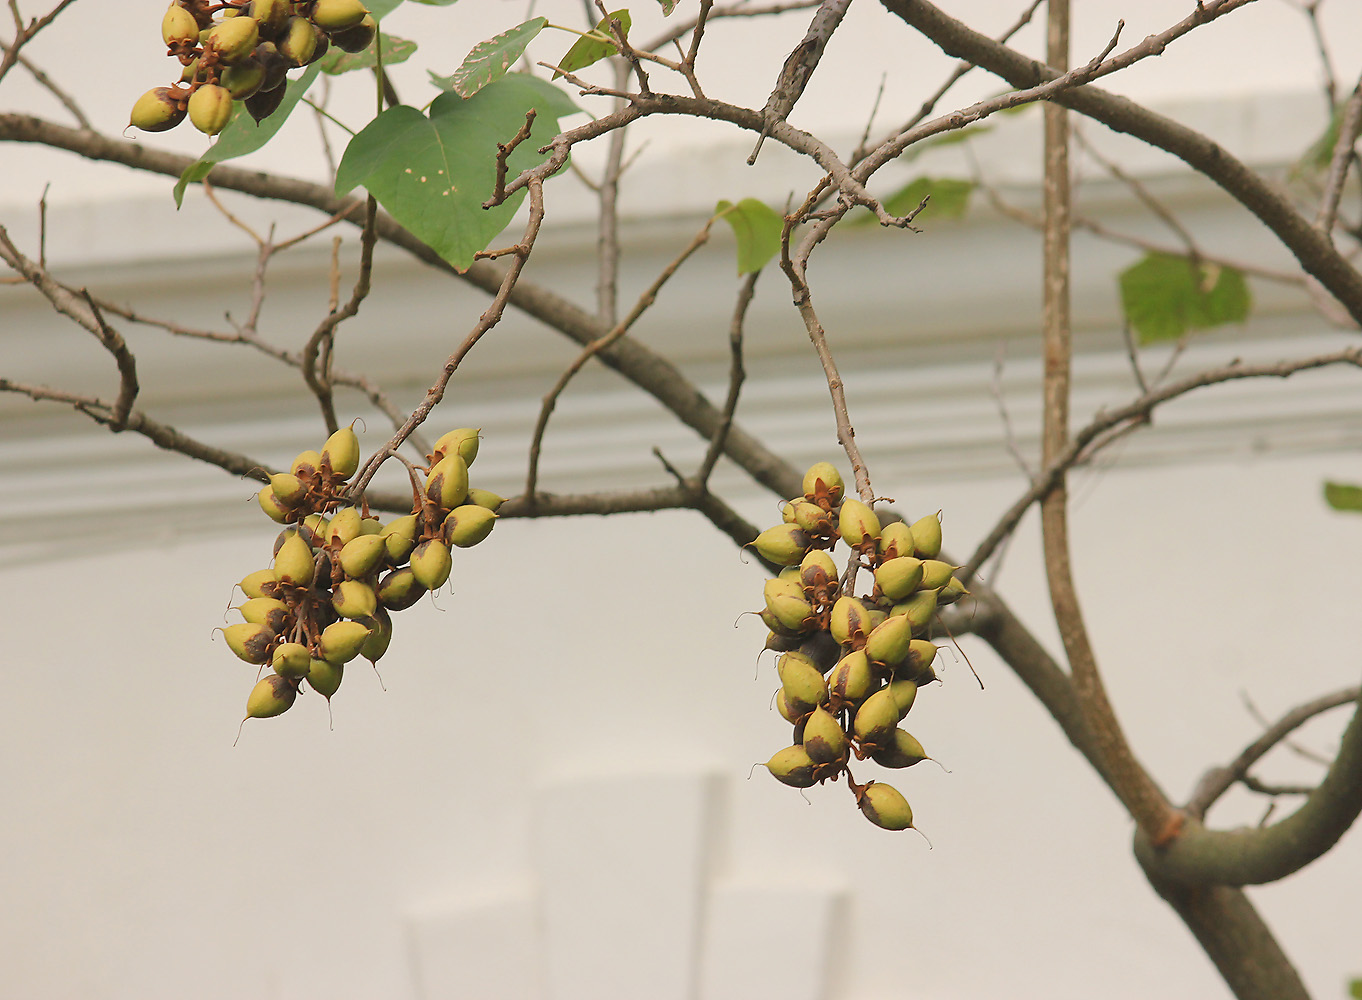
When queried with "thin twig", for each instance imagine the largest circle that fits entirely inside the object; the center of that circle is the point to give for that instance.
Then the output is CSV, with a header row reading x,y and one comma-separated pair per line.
x,y
736,375
1350,124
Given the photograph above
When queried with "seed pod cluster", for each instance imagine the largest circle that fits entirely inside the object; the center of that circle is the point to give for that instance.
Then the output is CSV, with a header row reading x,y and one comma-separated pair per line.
x,y
338,573
850,666
242,50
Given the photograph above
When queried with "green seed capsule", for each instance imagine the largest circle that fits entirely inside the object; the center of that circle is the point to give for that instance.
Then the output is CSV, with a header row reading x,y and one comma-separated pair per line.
x,y
936,573
801,683
210,108
291,660
792,766
891,641
919,609
250,642
261,583
857,522
293,565
341,642
784,545
485,498
243,79
273,506
903,751
158,110
824,740
400,538
876,718
899,577
306,463
299,41
272,696
380,635
337,15
353,599
851,680
342,452
896,540
447,483
358,38
431,563
399,590
927,537
849,619
274,614
921,653
288,488
462,442
811,518
885,806
324,677
468,524
178,27
817,569
271,15
344,527
951,592
362,555
903,694
823,480
235,39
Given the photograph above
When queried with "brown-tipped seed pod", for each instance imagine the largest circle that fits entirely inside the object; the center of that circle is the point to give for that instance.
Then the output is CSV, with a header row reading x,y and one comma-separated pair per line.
x,y
324,677
272,16
875,719
288,488
244,79
462,442
801,683
341,642
400,538
885,806
447,483
400,589
793,614
791,574
851,681
291,660
251,643
337,15
921,653
272,696
178,27
896,540
275,508
358,38
786,711
468,524
293,565
823,480
822,649
306,464
817,569
361,556
341,452
919,609
234,39
899,577
210,108
903,751
158,110
784,545
431,563
344,527
261,583
353,599
812,518
936,573
824,740
299,41
264,103
274,614
891,641
857,522
792,766
380,635
951,592
927,536
848,621
903,694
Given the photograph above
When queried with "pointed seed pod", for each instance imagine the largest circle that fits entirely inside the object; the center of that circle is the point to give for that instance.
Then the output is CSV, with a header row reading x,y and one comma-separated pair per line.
x,y
358,38
447,483
848,619
380,635
462,442
817,569
261,583
271,15
822,649
903,751
783,545
178,27
324,677
353,599
317,524
362,555
899,577
927,536
288,488
337,15
918,609
891,641
306,463
951,592
885,806
903,694
780,643
370,526
264,103
851,681
399,590
234,40
876,718
272,696
468,524
344,527
824,480
342,452
896,540
824,740
857,522
293,565
431,563
786,711
299,41
250,642
341,642
485,498
801,683
812,518
274,614
276,509
244,79
399,537
792,766
158,110
291,660
936,573
921,653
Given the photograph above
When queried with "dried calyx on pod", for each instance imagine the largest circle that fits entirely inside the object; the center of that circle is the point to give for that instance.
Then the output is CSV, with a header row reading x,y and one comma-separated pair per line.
x,y
851,611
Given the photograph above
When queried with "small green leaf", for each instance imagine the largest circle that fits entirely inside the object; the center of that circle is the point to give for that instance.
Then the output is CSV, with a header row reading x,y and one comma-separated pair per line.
x,y
380,8
667,6
242,135
337,60
1165,296
432,173
949,197
488,61
1355,989
594,46
1343,496
757,227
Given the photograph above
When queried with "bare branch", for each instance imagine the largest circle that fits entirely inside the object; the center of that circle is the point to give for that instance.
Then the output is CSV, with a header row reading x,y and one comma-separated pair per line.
x,y
1350,124
736,374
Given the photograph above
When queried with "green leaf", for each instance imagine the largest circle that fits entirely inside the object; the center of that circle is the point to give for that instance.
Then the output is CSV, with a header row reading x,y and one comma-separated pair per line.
x,y
338,61
949,197
488,61
667,6
242,135
381,8
596,45
1355,989
433,173
1321,151
757,228
1343,496
1165,296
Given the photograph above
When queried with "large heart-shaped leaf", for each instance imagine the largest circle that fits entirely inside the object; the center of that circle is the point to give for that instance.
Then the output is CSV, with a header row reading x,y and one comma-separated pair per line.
x,y
757,228
596,44
338,61
1166,297
488,61
432,173
242,135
